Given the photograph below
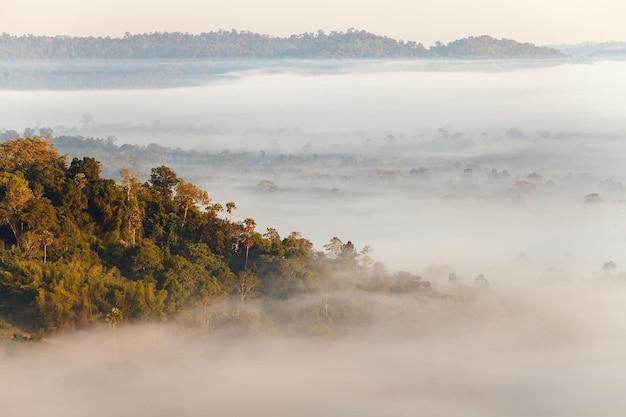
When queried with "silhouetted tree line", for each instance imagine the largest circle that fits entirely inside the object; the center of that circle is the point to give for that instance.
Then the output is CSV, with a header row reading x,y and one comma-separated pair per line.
x,y
76,247
248,45
163,60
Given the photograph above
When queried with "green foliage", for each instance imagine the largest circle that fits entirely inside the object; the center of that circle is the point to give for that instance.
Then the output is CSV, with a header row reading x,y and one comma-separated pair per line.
x,y
114,317
20,338
89,250
163,180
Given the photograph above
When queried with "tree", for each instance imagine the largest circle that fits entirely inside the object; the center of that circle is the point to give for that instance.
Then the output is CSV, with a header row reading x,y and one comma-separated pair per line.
x,y
46,240
246,284
593,198
107,205
14,195
296,245
189,195
609,268
274,245
250,224
334,247
38,162
24,154
88,167
248,240
146,258
134,223
180,280
215,209
348,255
40,214
114,317
163,180
364,257
130,182
481,282
230,206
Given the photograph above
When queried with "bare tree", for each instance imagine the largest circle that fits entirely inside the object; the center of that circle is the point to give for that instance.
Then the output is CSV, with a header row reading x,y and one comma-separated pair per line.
x,y
247,283
130,181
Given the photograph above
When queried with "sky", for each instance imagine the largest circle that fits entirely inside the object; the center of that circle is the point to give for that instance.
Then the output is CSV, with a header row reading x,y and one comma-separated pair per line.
x,y
543,22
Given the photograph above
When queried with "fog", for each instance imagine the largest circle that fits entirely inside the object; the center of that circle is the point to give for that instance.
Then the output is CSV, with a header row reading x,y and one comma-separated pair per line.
x,y
558,123
557,351
508,169
286,107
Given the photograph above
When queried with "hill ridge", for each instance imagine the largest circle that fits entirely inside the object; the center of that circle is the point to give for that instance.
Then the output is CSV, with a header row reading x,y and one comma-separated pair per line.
x,y
351,44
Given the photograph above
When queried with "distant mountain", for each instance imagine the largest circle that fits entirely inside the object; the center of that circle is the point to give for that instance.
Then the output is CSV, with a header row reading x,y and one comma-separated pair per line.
x,y
486,47
351,44
606,50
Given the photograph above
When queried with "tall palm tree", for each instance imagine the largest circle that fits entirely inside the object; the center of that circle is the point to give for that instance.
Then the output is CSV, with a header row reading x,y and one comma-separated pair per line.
x,y
214,209
230,206
248,241
250,224
114,318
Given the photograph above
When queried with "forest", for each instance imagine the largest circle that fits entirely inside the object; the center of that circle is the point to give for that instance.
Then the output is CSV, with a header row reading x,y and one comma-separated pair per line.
x,y
233,44
75,247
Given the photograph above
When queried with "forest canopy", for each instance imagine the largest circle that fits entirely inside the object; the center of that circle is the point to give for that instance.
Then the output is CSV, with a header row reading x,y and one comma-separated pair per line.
x,y
75,247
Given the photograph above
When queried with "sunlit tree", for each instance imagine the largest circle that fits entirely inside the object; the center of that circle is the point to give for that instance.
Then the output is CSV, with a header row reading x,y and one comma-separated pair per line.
x,y
130,182
215,209
250,224
248,240
334,247
230,206
46,240
189,195
15,194
163,180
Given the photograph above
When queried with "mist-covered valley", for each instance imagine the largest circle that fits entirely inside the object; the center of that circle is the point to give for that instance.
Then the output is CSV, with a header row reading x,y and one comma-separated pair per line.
x,y
444,160
450,171
554,351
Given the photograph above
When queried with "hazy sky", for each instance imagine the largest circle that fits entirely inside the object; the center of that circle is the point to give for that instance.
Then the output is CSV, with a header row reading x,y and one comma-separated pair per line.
x,y
537,21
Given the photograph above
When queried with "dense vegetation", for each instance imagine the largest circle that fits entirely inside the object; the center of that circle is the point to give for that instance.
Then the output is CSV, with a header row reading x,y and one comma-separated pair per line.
x,y
247,45
76,247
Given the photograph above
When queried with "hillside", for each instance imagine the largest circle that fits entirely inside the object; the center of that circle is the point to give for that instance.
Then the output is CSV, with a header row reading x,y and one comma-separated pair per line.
x,y
351,44
76,247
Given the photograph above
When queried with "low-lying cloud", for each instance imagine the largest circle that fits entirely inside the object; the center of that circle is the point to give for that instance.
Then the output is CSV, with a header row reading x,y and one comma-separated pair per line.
x,y
553,350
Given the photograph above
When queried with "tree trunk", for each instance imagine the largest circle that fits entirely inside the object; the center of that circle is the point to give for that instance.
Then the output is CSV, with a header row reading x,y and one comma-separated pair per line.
x,y
17,242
